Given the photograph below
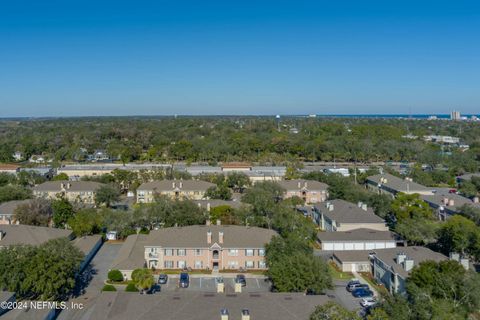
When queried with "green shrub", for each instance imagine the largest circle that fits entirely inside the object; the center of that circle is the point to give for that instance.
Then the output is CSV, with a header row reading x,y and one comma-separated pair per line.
x,y
115,275
131,288
109,287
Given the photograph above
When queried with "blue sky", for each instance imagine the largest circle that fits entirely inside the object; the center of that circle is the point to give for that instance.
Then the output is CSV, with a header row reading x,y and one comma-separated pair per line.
x,y
71,58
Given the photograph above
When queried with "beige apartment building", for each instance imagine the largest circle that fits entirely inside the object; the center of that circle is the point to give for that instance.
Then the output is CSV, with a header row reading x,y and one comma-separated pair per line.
x,y
309,191
206,247
174,189
73,191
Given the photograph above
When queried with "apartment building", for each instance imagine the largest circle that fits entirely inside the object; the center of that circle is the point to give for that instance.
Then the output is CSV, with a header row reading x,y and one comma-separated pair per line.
x,y
73,191
341,215
208,247
11,235
309,191
391,185
7,210
393,266
174,189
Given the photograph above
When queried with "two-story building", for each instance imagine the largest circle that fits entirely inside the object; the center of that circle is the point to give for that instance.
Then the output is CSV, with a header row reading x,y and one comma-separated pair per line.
x,y
207,247
358,239
7,210
446,203
174,189
391,185
393,266
73,191
341,215
309,191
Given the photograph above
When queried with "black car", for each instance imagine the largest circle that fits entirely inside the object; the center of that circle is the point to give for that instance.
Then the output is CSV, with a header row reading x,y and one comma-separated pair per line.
x,y
184,281
153,289
240,278
162,279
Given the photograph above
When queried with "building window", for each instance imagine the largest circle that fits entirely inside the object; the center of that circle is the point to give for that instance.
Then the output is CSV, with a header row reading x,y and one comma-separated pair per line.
x,y
181,264
198,252
168,264
249,252
232,252
198,264
233,264
262,265
168,252
261,252
249,264
181,252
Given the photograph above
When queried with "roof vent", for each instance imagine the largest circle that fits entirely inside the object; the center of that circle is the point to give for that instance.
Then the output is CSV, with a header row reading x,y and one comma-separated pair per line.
x,y
245,314
224,314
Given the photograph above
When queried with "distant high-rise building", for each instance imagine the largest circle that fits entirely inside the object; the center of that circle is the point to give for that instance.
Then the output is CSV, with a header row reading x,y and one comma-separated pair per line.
x,y
455,115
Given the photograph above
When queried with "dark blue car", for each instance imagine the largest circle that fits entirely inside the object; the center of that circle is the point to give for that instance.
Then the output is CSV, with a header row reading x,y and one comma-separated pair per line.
x,y
362,293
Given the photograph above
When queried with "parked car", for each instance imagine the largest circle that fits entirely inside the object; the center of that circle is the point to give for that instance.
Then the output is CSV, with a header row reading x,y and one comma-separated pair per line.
x,y
184,280
368,302
218,280
153,289
354,286
162,279
362,293
240,278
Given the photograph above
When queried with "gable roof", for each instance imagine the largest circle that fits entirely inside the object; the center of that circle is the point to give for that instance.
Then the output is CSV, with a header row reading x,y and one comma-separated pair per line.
x,y
171,185
8,208
132,253
75,186
357,235
301,184
397,184
416,253
347,212
196,237
32,235
190,305
442,198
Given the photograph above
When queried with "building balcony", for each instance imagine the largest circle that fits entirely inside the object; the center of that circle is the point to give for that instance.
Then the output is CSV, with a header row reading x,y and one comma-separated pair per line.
x,y
153,255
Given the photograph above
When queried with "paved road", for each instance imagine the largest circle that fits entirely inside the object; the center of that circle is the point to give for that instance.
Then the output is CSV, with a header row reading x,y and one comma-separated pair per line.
x,y
93,278
344,297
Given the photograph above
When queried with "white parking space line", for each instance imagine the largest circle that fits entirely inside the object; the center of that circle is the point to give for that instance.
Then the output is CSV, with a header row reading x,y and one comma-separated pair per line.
x,y
200,282
258,284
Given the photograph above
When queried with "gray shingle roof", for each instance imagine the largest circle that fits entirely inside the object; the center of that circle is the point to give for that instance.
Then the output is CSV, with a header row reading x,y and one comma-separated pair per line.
x,y
168,185
132,253
200,306
75,186
23,234
418,254
397,184
86,243
353,255
293,185
347,212
8,208
357,235
437,200
196,237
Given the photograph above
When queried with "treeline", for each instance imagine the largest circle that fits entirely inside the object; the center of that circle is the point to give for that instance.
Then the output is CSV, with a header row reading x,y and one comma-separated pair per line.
x,y
260,139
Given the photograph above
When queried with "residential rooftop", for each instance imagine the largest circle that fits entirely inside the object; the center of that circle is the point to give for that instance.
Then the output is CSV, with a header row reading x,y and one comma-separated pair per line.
x,y
216,203
346,212
357,235
353,255
132,253
196,236
30,235
86,243
301,184
196,305
416,253
8,208
172,185
397,184
72,186
452,201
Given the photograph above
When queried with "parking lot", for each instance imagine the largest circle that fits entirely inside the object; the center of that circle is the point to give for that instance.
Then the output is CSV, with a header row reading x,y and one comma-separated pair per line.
x,y
207,284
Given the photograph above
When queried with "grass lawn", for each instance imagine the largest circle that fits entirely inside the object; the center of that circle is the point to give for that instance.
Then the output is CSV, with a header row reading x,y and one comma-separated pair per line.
x,y
337,273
